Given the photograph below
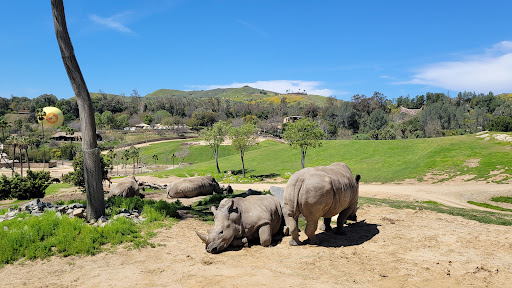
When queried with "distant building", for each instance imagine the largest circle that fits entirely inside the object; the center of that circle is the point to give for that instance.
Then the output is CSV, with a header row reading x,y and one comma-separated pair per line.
x,y
77,136
291,119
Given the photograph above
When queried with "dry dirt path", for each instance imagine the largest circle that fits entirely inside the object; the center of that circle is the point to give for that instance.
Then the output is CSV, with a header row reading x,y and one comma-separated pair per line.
x,y
393,248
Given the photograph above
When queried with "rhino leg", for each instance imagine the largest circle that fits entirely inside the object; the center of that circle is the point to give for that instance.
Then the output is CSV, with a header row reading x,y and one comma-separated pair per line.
x,y
291,224
342,218
326,225
265,234
240,242
311,226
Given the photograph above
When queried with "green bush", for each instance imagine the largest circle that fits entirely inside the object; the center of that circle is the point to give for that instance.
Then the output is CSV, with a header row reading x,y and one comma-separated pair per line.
x,y
500,124
48,235
5,187
24,188
77,176
361,136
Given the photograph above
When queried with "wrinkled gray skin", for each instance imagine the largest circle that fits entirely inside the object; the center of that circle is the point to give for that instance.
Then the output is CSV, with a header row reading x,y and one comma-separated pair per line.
x,y
196,186
240,220
322,191
127,188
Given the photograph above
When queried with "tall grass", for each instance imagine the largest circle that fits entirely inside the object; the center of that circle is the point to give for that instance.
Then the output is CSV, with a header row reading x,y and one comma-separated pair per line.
x,y
48,235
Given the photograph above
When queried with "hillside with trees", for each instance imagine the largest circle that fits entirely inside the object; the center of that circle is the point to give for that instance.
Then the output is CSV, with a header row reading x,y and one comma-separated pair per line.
x,y
362,118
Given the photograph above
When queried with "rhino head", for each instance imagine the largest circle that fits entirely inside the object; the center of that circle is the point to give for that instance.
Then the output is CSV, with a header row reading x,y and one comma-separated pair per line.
x,y
227,219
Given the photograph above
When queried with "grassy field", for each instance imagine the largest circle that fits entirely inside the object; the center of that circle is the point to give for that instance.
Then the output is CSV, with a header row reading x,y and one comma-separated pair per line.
x,y
376,161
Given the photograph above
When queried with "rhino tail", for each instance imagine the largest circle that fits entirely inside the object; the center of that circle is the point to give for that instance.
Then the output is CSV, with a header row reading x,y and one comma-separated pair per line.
x,y
358,177
296,188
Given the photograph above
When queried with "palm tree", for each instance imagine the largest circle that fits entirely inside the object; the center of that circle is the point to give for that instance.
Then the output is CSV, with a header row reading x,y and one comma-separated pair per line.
x,y
13,141
41,116
134,154
126,156
3,126
24,144
155,157
112,155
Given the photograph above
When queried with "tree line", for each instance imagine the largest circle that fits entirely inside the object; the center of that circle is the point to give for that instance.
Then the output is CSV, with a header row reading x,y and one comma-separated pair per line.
x,y
363,117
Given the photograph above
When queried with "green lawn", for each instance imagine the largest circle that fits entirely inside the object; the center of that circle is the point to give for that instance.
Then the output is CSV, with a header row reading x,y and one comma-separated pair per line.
x,y
376,161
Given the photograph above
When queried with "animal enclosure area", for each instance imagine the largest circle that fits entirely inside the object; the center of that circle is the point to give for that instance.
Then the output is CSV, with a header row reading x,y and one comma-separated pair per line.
x,y
390,248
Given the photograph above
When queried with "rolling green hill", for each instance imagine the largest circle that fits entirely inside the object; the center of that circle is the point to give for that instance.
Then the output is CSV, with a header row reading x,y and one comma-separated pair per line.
x,y
242,94
376,161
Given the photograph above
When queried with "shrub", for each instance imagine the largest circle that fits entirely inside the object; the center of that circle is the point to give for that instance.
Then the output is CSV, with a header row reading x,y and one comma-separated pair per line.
x,y
500,124
361,136
24,188
77,176
5,187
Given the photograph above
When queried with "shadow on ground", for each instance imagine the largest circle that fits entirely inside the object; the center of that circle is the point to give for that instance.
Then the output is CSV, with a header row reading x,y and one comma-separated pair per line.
x,y
356,234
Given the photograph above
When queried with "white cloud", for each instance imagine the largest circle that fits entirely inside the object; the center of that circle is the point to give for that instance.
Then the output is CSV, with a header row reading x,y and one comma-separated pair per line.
x,y
281,86
490,71
114,22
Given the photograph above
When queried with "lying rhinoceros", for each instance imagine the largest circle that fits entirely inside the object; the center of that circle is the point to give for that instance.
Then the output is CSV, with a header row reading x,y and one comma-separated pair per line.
x,y
322,191
126,188
196,186
239,220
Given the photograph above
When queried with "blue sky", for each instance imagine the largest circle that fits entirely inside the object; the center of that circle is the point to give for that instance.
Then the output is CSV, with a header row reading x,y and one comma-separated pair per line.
x,y
332,48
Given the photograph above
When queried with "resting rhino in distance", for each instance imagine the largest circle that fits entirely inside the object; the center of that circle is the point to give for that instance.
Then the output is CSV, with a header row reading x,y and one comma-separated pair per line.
x,y
322,191
126,188
196,186
240,220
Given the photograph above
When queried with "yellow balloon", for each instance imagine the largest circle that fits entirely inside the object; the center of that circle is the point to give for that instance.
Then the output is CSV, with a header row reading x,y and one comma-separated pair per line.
x,y
53,118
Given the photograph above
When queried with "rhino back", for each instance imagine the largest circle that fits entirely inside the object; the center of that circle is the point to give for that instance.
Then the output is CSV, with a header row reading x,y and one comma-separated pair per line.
x,y
192,187
320,191
126,188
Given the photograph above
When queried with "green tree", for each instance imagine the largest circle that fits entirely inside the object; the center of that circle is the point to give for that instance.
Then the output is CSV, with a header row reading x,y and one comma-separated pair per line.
x,y
148,119
303,134
243,138
107,118
215,136
77,176
135,155
155,157
3,126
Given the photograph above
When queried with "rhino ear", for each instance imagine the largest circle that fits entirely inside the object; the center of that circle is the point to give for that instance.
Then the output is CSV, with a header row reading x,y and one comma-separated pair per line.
x,y
232,207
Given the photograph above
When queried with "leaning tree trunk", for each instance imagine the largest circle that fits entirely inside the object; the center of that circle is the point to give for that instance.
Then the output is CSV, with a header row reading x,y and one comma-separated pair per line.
x,y
92,165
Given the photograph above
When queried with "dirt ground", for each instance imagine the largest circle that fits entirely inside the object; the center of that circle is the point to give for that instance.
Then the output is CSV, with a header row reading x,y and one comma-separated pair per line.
x,y
390,248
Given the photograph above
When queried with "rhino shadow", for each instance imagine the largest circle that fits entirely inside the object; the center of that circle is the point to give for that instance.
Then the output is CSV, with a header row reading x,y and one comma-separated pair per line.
x,y
356,234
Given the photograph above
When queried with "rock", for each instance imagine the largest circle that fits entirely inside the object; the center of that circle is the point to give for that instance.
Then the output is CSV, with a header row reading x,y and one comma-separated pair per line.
x,y
58,215
79,213
35,202
11,209
102,220
278,192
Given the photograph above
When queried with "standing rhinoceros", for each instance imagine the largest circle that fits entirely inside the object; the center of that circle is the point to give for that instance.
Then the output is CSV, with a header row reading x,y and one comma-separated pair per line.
x,y
239,220
196,186
322,191
126,188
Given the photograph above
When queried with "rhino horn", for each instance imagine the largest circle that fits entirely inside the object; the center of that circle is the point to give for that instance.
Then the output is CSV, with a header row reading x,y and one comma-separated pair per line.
x,y
213,209
203,237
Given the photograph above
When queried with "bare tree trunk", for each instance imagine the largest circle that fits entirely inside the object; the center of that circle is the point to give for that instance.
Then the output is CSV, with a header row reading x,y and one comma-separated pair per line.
x,y
92,165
